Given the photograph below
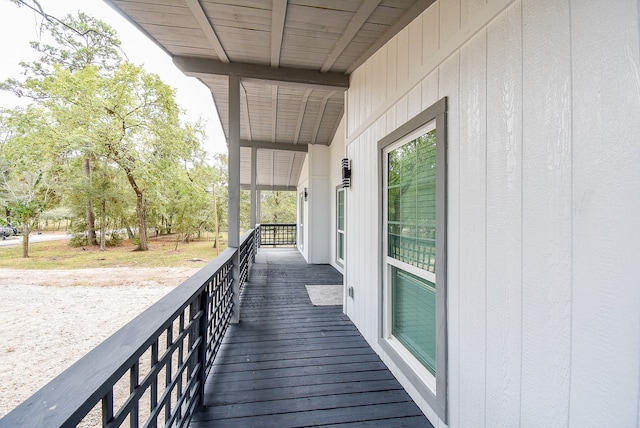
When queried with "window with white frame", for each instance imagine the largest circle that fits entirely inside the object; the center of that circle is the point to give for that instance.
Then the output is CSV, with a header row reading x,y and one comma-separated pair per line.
x,y
411,230
413,309
340,225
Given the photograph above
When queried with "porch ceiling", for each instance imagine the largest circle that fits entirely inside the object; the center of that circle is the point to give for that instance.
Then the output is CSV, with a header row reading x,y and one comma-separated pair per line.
x,y
293,58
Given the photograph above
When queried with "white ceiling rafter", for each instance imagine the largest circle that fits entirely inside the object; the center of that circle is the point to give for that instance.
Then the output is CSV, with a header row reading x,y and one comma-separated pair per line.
x,y
303,108
320,116
292,157
359,18
207,28
274,112
278,13
335,126
273,167
247,119
409,15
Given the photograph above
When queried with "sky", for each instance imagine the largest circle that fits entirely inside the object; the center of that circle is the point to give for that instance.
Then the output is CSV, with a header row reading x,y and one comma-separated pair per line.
x,y
20,25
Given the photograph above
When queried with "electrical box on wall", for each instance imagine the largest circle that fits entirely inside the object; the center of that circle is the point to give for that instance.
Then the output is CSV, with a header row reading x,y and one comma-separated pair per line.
x,y
350,292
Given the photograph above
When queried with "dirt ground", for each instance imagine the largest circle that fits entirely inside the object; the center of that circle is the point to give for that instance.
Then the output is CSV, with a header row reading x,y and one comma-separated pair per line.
x,y
50,319
102,277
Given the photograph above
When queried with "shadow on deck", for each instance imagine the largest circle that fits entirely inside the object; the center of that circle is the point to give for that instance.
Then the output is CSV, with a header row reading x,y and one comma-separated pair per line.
x,y
289,363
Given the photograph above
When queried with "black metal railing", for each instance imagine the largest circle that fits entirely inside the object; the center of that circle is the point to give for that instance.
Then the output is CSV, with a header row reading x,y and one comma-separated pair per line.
x,y
418,252
258,236
278,235
152,371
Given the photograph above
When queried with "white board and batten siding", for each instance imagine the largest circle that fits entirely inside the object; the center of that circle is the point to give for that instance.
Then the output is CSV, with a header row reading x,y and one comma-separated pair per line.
x,y
543,203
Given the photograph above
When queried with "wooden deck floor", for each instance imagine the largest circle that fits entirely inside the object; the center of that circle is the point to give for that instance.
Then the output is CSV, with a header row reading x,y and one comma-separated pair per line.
x,y
290,364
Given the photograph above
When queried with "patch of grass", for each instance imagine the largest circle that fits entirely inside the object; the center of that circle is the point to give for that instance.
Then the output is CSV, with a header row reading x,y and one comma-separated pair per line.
x,y
59,255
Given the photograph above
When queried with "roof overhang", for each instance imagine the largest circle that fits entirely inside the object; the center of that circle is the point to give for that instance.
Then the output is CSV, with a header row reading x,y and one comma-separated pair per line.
x,y
293,59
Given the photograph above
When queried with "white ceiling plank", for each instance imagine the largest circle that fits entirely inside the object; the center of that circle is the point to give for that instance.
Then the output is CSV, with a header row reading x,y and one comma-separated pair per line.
x,y
278,14
204,23
360,17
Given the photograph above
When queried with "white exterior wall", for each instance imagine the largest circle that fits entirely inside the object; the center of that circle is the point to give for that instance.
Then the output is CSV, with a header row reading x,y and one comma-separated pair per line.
x,y
321,173
317,241
543,203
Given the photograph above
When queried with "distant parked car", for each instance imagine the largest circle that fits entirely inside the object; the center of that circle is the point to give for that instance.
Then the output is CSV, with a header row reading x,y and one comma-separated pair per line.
x,y
6,231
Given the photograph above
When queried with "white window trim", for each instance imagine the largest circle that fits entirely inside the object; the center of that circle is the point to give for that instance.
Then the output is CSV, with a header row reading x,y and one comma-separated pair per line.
x,y
301,220
339,260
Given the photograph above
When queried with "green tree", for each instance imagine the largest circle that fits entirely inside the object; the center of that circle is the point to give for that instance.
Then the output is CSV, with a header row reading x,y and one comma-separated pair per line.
x,y
277,207
111,114
187,200
28,179
221,188
63,78
142,135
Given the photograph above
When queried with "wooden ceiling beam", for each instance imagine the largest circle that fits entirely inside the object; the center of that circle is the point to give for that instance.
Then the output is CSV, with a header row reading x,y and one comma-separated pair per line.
x,y
266,187
203,67
207,28
274,146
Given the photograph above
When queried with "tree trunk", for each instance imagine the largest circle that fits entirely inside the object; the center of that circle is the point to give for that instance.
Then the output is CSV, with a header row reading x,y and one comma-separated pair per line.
x,y
91,217
141,212
26,230
103,226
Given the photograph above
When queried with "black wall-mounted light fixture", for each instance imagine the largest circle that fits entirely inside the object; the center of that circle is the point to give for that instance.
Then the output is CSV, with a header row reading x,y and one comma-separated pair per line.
x,y
306,194
346,172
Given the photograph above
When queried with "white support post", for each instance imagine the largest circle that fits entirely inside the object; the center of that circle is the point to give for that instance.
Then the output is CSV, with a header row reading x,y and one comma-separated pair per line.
x,y
259,206
233,239
254,202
